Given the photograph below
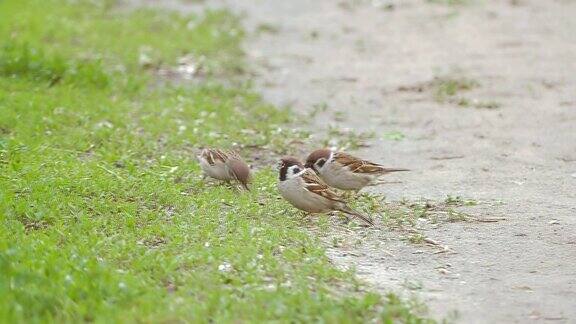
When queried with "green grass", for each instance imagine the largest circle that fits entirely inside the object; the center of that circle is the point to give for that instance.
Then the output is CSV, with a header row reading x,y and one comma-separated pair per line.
x,y
346,139
403,216
447,87
103,216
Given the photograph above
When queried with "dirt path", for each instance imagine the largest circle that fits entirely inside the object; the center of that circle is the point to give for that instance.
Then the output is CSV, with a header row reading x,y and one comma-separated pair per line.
x,y
372,65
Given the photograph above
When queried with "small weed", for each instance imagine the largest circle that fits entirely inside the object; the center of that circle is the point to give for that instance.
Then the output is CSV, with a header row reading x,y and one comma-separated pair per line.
x,y
416,238
360,45
336,242
406,213
413,285
456,216
462,102
465,102
449,89
317,109
371,202
394,136
346,139
339,115
314,35
446,87
486,104
267,29
459,201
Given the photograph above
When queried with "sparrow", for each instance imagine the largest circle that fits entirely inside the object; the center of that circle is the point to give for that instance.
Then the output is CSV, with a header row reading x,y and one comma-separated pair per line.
x,y
346,172
302,188
224,165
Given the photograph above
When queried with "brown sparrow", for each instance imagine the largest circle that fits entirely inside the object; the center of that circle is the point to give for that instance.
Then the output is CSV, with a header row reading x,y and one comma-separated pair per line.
x,y
346,172
302,188
224,165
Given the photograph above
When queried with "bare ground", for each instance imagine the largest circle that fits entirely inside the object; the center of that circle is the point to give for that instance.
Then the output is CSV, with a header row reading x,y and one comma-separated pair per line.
x,y
509,142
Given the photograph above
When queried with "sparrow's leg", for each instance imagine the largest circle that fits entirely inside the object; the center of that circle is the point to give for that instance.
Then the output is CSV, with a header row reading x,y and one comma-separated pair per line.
x,y
229,184
234,185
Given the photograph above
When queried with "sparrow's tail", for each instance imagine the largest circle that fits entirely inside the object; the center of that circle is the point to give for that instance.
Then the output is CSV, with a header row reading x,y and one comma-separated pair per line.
x,y
366,219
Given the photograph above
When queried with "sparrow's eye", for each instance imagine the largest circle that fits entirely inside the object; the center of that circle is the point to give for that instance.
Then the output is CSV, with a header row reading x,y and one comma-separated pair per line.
x,y
320,162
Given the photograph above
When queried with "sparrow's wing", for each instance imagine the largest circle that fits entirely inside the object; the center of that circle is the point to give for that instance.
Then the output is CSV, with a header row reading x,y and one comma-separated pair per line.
x,y
213,155
233,155
357,165
316,186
